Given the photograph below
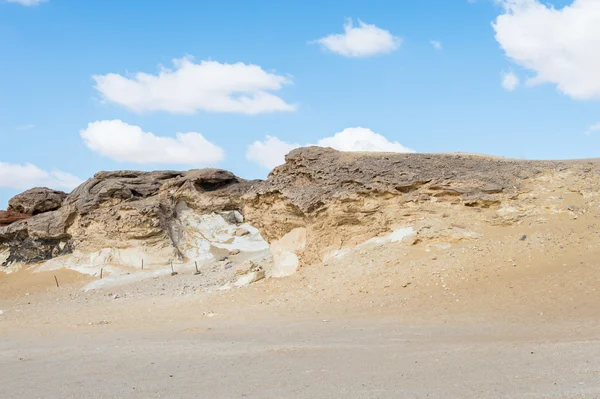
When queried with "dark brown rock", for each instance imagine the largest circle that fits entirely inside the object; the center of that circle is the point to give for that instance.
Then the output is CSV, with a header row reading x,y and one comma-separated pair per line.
x,y
10,216
36,200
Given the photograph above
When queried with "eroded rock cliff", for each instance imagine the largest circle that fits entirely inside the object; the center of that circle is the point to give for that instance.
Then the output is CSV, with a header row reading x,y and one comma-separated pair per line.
x,y
339,200
115,210
317,206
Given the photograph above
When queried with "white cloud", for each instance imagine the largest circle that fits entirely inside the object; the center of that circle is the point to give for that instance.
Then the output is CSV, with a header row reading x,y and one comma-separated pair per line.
x,y
27,2
27,176
361,139
189,87
593,128
362,41
436,44
122,142
271,152
510,81
558,45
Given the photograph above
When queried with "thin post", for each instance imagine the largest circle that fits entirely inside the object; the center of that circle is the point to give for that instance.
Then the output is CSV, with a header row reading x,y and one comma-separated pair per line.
x,y
142,263
101,273
172,270
197,271
55,279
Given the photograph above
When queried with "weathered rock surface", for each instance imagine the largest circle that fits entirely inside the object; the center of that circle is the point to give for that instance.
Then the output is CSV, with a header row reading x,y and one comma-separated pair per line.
x,y
9,217
320,202
343,199
37,200
31,202
117,210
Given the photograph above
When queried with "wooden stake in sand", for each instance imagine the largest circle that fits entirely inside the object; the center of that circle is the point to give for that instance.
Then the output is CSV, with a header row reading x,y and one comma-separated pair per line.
x,y
101,272
57,285
197,271
142,264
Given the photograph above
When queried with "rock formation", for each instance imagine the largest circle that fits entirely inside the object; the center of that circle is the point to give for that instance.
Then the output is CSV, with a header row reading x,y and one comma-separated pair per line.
x,y
37,200
342,199
31,202
320,202
8,217
114,210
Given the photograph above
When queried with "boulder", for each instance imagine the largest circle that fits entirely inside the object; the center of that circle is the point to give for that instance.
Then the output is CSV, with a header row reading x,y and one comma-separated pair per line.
x,y
36,200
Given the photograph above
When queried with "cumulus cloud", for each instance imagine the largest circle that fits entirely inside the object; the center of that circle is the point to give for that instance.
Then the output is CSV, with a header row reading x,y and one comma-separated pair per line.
x,y
271,152
436,44
122,142
27,2
363,40
510,81
558,45
361,139
27,175
189,87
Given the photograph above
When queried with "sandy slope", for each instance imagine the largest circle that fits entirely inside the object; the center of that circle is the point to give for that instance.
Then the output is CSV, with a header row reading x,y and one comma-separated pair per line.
x,y
499,316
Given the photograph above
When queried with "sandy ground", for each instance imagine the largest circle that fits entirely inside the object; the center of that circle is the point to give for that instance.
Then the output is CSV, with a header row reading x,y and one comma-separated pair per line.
x,y
341,358
499,317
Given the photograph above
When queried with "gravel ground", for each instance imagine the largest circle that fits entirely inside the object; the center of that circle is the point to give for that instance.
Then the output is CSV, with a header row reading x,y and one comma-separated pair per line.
x,y
279,359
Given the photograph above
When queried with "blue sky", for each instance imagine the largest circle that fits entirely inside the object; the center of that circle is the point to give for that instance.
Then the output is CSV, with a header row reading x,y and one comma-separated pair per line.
x,y
417,96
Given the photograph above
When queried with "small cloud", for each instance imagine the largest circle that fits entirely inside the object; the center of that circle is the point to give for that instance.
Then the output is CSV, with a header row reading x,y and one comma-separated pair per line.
x,y
25,127
27,175
436,44
362,41
593,128
122,142
271,152
27,3
510,81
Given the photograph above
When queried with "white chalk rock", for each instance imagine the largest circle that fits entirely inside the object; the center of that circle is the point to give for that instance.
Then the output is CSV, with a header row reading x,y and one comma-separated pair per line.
x,y
285,252
250,278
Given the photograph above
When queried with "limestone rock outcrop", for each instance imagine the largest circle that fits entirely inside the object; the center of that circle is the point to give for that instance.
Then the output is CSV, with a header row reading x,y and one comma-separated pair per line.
x,y
343,199
316,205
117,210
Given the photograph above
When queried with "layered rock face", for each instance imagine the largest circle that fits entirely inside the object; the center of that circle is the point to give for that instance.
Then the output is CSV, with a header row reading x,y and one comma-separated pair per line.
x,y
317,205
116,210
335,200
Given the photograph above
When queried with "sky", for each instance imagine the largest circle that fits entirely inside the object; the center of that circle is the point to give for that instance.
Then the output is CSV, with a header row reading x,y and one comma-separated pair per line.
x,y
87,86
